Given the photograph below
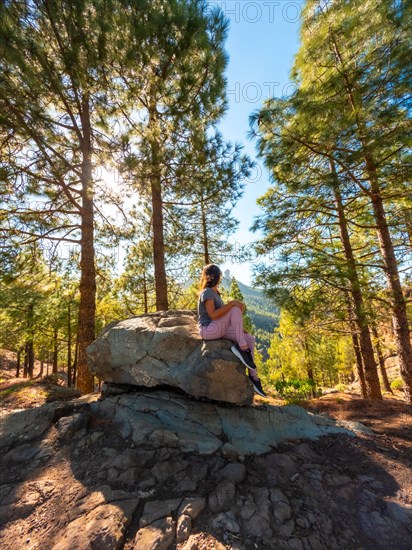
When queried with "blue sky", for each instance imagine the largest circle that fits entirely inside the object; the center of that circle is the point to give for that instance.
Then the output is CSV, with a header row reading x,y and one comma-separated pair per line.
x,y
263,39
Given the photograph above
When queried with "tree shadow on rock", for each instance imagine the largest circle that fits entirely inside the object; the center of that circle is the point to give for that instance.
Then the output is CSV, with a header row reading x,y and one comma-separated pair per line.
x,y
75,480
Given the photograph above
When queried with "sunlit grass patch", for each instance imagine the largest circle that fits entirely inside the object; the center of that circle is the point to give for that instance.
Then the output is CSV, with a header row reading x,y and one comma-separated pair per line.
x,y
22,394
15,387
32,392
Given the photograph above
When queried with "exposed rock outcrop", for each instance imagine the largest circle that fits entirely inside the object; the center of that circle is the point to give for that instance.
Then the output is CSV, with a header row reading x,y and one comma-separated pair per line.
x,y
165,348
155,469
131,472
176,421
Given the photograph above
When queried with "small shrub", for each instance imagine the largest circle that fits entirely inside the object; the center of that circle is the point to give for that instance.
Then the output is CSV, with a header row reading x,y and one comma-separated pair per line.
x,y
397,384
340,387
295,390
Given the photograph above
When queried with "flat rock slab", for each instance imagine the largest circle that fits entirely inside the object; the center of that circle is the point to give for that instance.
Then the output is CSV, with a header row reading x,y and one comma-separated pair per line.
x,y
22,426
163,418
101,528
165,348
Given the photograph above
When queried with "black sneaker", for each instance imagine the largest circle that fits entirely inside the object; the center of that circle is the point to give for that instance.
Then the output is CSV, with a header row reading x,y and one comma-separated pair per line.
x,y
258,386
244,356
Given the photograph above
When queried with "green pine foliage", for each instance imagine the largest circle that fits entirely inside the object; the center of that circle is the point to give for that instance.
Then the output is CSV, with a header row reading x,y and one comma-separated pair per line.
x,y
301,349
336,215
36,306
236,294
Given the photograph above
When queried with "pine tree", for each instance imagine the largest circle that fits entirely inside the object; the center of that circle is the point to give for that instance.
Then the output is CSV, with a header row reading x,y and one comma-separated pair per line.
x,y
304,208
53,100
210,176
181,86
34,303
303,347
236,294
353,65
137,283
344,114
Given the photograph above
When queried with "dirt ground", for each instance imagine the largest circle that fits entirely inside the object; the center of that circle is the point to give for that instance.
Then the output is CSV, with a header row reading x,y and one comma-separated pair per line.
x,y
24,393
391,422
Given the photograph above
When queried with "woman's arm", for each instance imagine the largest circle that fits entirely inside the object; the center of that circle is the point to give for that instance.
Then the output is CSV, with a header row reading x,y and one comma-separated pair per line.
x,y
217,313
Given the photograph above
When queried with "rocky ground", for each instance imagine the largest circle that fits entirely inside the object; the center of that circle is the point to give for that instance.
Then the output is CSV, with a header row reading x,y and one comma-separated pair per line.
x,y
99,474
70,479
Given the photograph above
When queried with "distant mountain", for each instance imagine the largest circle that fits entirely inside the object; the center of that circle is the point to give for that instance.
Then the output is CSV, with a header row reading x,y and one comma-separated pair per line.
x,y
246,290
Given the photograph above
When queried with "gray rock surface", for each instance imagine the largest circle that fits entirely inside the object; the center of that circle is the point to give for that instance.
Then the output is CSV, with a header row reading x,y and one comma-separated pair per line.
x,y
136,472
165,418
165,348
159,535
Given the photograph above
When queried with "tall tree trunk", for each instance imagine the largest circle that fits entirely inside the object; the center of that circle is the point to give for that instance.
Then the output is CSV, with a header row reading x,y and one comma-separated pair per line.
x,y
399,315
162,303
19,352
205,238
30,350
371,371
55,350
146,309
30,359
381,360
26,360
87,308
359,364
69,345
356,347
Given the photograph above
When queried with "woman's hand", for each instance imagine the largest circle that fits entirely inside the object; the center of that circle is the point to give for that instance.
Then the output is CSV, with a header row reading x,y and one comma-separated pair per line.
x,y
217,313
239,304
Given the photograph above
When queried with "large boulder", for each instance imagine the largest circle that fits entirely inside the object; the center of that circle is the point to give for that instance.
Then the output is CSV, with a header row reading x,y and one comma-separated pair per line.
x,y
165,348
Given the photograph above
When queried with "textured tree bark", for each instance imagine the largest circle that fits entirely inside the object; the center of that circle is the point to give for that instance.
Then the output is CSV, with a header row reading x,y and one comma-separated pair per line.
x,y
55,350
359,362
69,345
162,303
204,235
87,308
381,361
399,314
30,359
370,368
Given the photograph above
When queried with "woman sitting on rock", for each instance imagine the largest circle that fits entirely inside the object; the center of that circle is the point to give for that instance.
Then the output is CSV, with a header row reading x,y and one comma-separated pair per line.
x,y
219,320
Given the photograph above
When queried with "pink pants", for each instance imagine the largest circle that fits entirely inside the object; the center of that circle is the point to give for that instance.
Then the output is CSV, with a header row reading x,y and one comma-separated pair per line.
x,y
229,326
